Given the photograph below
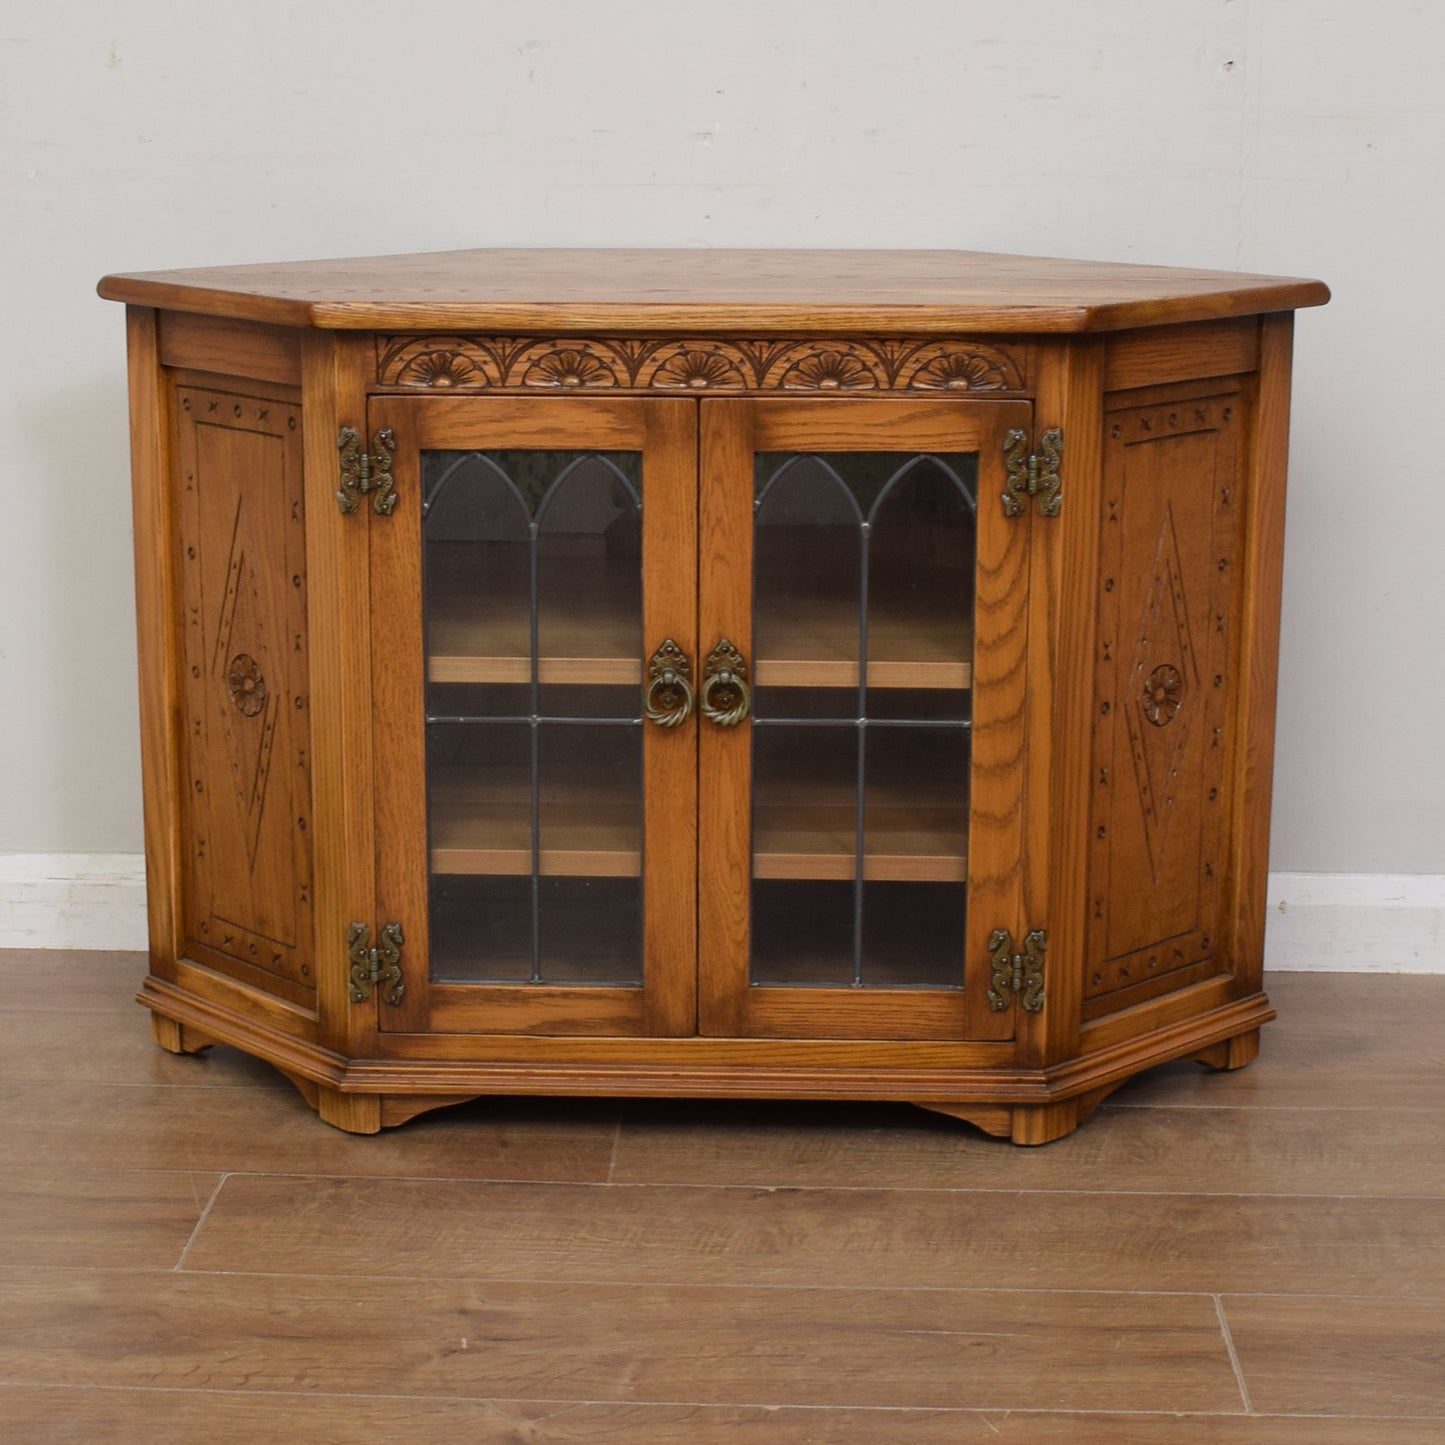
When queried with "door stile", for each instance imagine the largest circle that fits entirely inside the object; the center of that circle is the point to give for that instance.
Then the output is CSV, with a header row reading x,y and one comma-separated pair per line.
x,y
1002,679
333,395
1063,648
398,687
725,609
669,610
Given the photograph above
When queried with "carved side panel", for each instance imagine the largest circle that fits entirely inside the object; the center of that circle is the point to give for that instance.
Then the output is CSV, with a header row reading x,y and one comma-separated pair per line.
x,y
726,364
247,725
1162,684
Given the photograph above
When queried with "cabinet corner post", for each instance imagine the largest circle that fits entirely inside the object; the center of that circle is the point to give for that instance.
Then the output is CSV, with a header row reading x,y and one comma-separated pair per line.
x,y
334,378
1063,565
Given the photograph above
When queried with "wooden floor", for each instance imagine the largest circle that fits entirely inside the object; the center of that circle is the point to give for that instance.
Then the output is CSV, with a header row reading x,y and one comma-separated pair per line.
x,y
187,1252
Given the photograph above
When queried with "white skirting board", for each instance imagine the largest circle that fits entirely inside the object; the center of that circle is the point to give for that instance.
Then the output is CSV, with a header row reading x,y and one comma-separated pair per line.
x,y
1356,922
72,900
1337,922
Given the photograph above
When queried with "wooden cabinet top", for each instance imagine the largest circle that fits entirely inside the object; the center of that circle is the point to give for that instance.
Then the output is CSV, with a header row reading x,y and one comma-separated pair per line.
x,y
765,292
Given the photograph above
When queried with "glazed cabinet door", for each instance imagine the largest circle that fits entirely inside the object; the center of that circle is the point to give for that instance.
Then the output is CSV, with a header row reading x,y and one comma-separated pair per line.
x,y
533,610
862,636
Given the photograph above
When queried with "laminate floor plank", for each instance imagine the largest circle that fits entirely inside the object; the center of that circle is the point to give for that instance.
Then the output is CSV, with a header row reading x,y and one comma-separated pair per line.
x,y
895,1348
1158,1149
51,980
80,1415
189,1252
66,1215
103,1048
1341,1356
1364,1041
172,1127
917,1239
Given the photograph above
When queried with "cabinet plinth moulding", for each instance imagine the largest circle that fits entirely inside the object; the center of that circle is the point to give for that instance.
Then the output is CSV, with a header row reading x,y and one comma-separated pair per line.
x,y
716,695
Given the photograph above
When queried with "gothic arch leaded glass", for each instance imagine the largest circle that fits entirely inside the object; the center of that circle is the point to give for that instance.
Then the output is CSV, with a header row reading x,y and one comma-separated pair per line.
x,y
863,610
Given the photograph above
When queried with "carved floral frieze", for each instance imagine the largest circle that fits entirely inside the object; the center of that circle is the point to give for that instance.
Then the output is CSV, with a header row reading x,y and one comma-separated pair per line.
x,y
532,364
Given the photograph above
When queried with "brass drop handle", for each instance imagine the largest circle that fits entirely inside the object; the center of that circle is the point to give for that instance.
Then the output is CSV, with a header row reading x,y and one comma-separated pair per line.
x,y
725,697
667,700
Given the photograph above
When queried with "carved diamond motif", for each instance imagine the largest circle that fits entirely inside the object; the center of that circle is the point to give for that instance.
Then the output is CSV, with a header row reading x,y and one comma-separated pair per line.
x,y
1162,687
244,614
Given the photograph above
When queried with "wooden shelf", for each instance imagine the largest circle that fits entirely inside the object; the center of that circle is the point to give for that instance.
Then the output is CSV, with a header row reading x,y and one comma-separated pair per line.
x,y
478,630
804,836
481,824
815,644
805,629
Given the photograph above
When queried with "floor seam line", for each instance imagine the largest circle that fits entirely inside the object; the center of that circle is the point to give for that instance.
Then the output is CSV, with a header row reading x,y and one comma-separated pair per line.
x,y
1233,1354
180,1264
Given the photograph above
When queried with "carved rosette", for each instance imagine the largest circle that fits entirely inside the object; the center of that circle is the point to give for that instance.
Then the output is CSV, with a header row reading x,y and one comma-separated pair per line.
x,y
1163,695
523,364
245,685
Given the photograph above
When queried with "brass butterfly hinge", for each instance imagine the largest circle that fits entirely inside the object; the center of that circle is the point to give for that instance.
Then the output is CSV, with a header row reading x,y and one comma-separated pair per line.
x,y
379,967
366,473
1033,474
1017,973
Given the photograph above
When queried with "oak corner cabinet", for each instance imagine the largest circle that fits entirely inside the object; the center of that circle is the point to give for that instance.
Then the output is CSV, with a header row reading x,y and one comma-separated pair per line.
x,y
763,674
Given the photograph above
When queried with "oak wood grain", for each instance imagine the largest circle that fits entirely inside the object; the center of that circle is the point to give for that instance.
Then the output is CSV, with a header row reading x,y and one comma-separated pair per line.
x,y
763,292
339,643
1180,353
1167,605
669,755
1256,660
569,322
230,347
732,431
246,835
158,618
726,446
664,431
1063,567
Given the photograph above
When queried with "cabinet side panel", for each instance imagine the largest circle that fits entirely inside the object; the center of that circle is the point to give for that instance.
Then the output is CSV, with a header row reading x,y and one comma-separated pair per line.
x,y
246,717
156,584
1162,684
1261,581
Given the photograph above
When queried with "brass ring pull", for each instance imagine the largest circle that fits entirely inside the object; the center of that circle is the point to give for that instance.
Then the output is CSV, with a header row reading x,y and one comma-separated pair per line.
x,y
667,700
725,697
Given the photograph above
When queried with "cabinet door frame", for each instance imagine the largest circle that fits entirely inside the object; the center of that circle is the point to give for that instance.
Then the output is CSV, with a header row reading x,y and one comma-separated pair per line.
x,y
664,431
731,432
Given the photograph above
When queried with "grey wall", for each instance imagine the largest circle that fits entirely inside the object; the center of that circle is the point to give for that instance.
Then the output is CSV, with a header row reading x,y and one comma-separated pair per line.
x,y
1299,136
